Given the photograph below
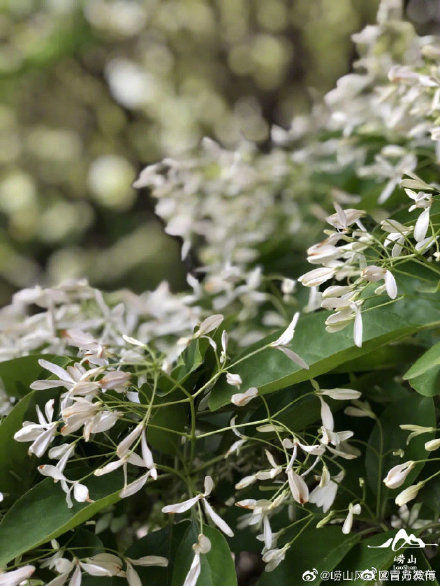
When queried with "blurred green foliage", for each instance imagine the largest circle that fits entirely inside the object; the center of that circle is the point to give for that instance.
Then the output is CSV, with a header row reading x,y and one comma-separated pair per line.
x,y
93,90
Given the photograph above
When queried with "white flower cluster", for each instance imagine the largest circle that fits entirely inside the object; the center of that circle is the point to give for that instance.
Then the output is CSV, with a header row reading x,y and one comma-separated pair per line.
x,y
240,212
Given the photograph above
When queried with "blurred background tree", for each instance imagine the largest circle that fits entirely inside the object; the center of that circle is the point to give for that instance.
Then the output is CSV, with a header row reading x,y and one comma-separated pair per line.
x,y
93,90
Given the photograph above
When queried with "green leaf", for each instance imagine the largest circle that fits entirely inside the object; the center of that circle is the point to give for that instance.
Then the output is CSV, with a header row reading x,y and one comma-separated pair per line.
x,y
428,383
16,467
323,351
18,374
189,361
217,566
316,549
428,360
172,417
410,408
42,514
424,374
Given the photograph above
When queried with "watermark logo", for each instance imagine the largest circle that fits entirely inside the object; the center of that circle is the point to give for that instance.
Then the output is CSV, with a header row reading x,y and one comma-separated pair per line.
x,y
402,540
404,569
310,575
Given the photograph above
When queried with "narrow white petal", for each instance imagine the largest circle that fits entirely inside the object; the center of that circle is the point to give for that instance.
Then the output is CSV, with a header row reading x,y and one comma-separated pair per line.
x,y
422,225
132,576
135,486
217,519
16,576
390,285
52,471
181,507
146,452
358,329
76,578
151,560
56,370
287,336
129,440
110,467
293,356
209,485
95,569
326,415
194,572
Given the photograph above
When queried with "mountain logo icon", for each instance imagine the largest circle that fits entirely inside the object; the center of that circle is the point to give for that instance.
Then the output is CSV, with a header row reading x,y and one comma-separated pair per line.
x,y
401,540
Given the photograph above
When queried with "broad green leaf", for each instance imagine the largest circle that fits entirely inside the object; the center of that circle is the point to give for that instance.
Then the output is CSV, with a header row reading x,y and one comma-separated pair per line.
x,y
172,417
428,360
18,374
217,565
42,514
316,551
424,374
411,408
16,467
428,383
381,358
323,351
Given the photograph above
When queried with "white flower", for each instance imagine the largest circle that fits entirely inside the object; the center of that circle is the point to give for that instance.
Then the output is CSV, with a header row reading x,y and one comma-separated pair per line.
x,y
432,445
408,494
326,415
397,475
233,379
348,523
287,336
42,433
316,277
125,445
298,487
116,380
93,350
203,546
324,496
102,564
288,286
16,577
273,557
76,379
84,413
209,324
341,394
396,235
416,430
242,399
186,505
374,273
342,219
132,576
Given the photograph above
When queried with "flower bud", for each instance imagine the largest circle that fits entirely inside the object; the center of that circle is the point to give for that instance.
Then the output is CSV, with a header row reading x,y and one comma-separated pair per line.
x,y
397,475
408,494
432,445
